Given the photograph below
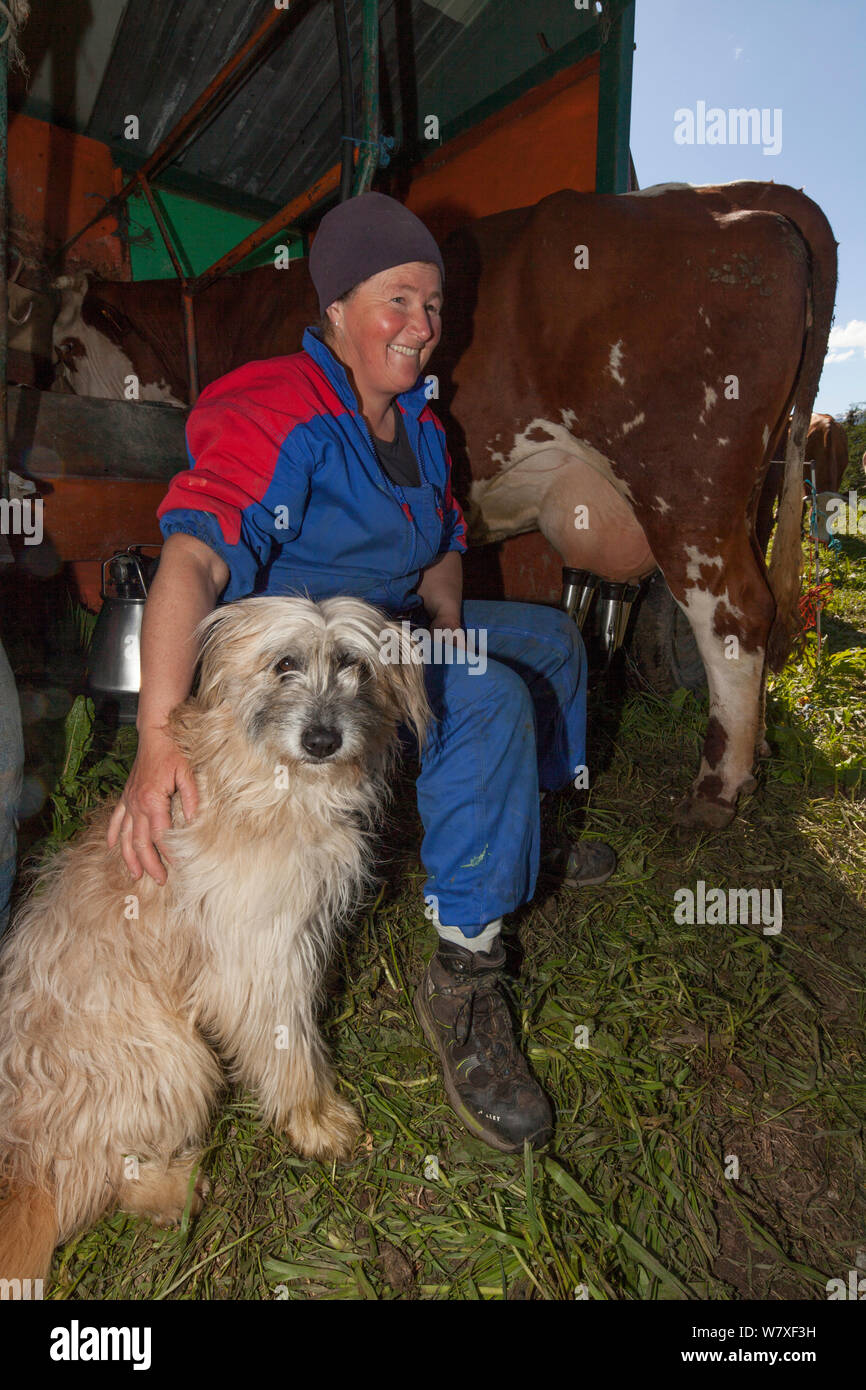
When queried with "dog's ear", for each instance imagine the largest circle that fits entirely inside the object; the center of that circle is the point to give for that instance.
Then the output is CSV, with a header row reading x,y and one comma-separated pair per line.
x,y
402,675
212,633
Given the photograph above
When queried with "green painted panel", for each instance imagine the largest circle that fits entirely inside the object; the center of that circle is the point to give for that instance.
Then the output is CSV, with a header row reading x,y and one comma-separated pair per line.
x,y
201,234
614,104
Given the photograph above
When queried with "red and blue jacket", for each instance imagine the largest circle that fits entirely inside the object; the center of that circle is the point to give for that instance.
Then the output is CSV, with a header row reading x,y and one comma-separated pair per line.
x,y
285,485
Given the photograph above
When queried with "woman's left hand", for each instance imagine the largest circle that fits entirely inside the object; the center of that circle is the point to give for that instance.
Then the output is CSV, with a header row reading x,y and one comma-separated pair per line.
x,y
441,591
449,621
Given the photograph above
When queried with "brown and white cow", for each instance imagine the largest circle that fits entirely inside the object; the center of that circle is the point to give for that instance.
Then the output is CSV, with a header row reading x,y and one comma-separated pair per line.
x,y
109,331
30,321
616,373
826,447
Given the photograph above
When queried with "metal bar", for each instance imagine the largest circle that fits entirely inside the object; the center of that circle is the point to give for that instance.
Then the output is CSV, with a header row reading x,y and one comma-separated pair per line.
x,y
191,345
347,104
231,73
278,223
370,135
160,222
614,103
4,291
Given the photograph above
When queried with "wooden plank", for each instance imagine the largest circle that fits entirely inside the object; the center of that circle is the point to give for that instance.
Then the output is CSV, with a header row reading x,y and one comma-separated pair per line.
x,y
52,435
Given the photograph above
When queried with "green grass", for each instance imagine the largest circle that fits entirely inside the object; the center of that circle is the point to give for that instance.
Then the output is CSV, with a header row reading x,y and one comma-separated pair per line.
x,y
705,1043
817,705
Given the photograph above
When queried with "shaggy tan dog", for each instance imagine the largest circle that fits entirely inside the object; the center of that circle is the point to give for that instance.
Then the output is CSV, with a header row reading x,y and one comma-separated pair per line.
x,y
116,996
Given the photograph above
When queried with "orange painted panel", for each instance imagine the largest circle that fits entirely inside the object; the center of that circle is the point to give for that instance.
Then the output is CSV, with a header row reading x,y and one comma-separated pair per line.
x,y
90,518
543,141
56,179
86,576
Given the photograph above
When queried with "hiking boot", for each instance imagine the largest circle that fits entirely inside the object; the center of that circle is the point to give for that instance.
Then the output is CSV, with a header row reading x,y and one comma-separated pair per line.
x,y
580,864
465,1019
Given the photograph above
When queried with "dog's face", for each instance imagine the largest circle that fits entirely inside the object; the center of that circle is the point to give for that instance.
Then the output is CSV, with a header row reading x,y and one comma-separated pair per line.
x,y
308,682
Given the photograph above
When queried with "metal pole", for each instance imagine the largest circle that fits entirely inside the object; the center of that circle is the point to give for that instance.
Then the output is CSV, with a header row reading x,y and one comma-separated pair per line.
x,y
347,104
370,138
191,343
164,232
614,97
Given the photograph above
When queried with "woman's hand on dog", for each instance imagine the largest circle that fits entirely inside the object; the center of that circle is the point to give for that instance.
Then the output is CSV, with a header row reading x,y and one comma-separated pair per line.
x,y
143,813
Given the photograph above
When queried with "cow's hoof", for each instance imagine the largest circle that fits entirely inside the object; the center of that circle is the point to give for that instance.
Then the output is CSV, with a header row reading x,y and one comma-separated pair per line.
x,y
696,813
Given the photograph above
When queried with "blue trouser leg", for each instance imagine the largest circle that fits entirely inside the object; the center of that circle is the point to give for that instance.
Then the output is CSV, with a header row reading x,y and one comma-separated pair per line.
x,y
11,773
501,734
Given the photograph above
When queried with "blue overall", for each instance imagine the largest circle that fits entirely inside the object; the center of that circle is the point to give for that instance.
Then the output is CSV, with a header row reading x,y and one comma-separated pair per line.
x,y
286,487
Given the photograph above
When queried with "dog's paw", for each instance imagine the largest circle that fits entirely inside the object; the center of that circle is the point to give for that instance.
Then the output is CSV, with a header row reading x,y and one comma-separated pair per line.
x,y
171,1214
331,1133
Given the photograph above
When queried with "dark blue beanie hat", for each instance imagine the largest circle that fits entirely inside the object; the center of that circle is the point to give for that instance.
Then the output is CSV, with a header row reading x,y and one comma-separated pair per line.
x,y
363,236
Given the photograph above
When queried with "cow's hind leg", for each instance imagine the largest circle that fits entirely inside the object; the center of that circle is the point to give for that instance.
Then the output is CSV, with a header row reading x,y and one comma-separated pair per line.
x,y
730,607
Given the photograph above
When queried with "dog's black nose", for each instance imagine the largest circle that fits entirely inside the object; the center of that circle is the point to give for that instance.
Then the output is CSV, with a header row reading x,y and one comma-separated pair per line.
x,y
321,742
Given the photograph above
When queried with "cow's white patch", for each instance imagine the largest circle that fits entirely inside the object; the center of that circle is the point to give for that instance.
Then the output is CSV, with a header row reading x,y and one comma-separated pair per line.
x,y
662,505
697,559
655,189
720,440
765,437
702,313
615,361
710,398
734,687
633,424
555,437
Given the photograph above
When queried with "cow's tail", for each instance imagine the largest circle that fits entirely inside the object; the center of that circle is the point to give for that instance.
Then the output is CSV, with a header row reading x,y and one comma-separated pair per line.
x,y
784,573
28,1230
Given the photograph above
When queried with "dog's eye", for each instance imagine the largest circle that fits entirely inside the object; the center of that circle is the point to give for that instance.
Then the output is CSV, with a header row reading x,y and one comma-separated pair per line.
x,y
285,664
350,661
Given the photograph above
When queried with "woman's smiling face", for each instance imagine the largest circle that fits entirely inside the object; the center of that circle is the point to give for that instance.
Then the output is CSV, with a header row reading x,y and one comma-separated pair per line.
x,y
387,330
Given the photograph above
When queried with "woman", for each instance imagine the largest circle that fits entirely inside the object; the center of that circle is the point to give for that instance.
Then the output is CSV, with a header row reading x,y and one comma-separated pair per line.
x,y
327,473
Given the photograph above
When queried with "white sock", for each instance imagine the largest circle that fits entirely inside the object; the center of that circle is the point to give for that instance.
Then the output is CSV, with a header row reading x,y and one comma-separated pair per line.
x,y
485,941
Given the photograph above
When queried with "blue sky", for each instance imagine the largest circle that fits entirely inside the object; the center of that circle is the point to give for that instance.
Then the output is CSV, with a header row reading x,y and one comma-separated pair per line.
x,y
805,58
